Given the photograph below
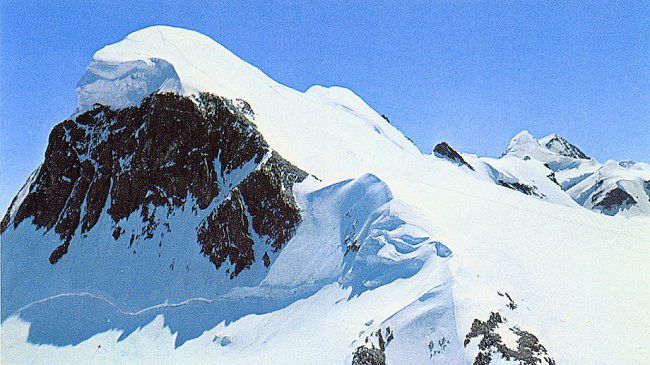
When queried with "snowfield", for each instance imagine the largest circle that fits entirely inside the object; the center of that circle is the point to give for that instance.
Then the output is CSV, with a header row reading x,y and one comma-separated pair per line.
x,y
391,239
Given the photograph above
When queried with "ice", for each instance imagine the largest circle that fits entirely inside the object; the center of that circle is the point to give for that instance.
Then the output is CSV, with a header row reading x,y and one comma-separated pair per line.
x,y
124,84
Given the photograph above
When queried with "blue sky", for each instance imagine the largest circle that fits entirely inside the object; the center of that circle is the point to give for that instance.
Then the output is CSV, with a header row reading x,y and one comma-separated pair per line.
x,y
472,73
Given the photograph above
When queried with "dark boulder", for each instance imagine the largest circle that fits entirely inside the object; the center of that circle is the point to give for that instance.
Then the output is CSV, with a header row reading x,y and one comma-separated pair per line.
x,y
444,150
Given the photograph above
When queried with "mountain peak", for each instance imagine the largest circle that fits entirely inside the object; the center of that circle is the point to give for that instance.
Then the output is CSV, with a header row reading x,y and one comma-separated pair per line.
x,y
200,207
525,145
299,125
523,137
558,144
157,39
163,58
164,31
521,141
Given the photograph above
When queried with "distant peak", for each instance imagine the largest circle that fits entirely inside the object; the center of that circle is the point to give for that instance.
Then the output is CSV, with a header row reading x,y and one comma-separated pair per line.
x,y
523,140
558,144
523,136
161,29
525,145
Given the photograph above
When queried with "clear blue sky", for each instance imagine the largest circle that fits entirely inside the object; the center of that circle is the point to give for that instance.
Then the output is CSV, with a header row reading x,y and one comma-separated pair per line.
x,y
468,72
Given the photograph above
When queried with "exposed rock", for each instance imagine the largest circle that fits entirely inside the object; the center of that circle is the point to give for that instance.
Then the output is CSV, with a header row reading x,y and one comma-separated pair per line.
x,y
437,347
553,178
560,145
520,187
529,351
511,305
270,187
164,154
614,200
369,354
443,150
225,235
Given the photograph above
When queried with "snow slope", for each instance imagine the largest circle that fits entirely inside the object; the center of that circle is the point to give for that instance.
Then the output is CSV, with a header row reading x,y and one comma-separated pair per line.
x,y
411,242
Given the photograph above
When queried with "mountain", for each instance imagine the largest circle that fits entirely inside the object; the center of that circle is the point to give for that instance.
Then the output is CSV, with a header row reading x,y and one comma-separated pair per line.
x,y
192,210
555,170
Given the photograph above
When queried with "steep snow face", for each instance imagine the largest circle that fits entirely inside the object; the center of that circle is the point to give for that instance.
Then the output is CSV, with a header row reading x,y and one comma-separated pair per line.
x,y
200,63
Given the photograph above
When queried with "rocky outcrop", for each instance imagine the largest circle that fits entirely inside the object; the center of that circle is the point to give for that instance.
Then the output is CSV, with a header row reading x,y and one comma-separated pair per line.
x,y
613,201
520,187
171,152
563,147
490,343
371,354
444,150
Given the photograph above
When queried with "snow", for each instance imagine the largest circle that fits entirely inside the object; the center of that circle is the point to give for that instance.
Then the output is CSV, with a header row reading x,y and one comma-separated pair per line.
x,y
532,173
436,244
123,84
584,181
631,177
525,146
331,123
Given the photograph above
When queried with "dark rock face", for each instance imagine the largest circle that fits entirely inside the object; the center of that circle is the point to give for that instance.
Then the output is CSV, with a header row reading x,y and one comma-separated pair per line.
x,y
520,187
369,354
564,148
552,177
225,235
444,150
614,201
155,158
529,351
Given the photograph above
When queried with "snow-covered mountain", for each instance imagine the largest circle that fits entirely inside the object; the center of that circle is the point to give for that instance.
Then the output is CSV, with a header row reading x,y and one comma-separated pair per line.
x,y
555,170
193,210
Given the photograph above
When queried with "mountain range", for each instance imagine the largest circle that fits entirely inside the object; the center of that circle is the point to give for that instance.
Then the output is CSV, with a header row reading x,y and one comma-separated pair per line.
x,y
193,210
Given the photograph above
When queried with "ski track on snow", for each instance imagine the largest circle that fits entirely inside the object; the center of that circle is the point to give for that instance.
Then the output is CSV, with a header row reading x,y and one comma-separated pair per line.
x,y
95,296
